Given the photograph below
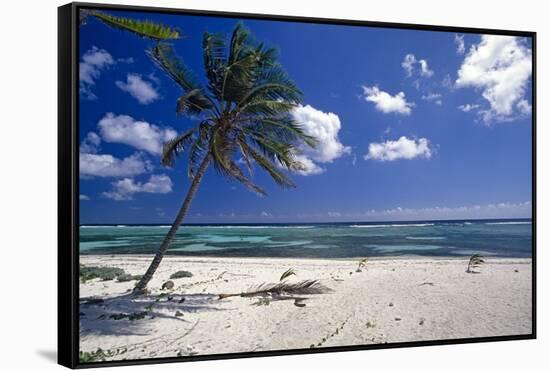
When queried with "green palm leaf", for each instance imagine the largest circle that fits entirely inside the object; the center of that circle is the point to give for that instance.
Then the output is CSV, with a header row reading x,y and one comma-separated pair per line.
x,y
146,29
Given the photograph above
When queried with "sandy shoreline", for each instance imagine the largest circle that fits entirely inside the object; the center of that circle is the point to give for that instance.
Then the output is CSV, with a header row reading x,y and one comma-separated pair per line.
x,y
393,300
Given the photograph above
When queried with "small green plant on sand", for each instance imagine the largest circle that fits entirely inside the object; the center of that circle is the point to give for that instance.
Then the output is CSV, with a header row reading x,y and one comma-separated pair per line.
x,y
288,273
99,355
103,273
475,262
126,277
181,274
362,264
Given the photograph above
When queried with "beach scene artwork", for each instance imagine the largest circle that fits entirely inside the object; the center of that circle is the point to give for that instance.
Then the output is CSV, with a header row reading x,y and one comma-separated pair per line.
x,y
253,185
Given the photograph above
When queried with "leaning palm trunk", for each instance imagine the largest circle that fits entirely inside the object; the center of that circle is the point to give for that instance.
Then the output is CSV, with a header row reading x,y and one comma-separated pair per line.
x,y
142,284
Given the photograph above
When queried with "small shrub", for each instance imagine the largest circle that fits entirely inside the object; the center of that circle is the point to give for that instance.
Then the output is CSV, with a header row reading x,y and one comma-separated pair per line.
x,y
103,273
179,314
181,274
128,277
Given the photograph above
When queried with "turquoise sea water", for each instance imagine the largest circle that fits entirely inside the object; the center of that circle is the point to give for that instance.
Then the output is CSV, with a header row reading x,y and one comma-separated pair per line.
x,y
505,238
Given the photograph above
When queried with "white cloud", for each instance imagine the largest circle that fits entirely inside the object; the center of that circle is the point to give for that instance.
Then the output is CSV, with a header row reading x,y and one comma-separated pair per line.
x,y
92,63
424,69
104,165
403,148
139,134
125,189
459,41
487,211
334,214
387,103
325,128
411,65
83,197
408,64
433,97
91,143
524,106
447,82
265,214
500,66
138,88
468,107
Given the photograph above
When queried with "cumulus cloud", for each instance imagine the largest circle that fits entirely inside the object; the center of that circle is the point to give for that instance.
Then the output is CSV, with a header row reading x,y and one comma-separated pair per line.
x,y
324,126
91,143
403,148
459,41
386,102
125,189
138,88
265,214
83,197
412,65
139,134
500,66
92,63
524,107
468,107
105,165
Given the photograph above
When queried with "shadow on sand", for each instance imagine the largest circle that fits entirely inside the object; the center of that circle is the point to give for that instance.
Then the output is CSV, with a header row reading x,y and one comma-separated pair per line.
x,y
130,314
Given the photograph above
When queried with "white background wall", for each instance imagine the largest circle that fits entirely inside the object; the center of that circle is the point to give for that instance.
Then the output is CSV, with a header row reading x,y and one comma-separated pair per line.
x,y
28,155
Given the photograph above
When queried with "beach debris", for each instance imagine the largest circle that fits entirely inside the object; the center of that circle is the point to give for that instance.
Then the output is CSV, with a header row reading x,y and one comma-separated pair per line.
x,y
92,301
187,351
130,316
390,304
515,270
168,285
370,324
426,283
398,318
181,300
362,264
306,287
421,322
299,303
181,274
178,314
289,272
475,262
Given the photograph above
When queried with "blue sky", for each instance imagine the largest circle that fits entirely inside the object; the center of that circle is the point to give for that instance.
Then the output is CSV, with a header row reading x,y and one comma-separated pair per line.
x,y
412,125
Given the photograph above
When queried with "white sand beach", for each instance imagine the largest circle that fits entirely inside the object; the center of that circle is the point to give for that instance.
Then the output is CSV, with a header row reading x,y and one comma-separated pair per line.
x,y
392,300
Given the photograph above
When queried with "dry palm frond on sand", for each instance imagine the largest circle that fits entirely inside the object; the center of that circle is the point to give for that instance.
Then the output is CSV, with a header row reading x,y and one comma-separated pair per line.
x,y
306,287
287,274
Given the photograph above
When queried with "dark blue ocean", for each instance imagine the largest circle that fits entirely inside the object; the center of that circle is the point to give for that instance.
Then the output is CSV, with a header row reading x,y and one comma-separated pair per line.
x,y
503,238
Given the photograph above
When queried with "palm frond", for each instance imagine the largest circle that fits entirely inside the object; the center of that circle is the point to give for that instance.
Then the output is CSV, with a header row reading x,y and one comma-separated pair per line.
x,y
164,56
146,29
174,147
306,287
289,272
215,60
266,164
192,103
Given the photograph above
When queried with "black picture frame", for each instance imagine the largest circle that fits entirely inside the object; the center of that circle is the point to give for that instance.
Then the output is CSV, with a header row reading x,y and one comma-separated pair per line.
x,y
68,185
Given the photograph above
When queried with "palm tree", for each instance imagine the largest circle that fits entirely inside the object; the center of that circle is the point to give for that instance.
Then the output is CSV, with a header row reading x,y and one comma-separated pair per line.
x,y
244,111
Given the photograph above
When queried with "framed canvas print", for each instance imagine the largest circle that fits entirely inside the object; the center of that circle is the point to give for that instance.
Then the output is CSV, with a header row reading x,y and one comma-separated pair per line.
x,y
239,185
